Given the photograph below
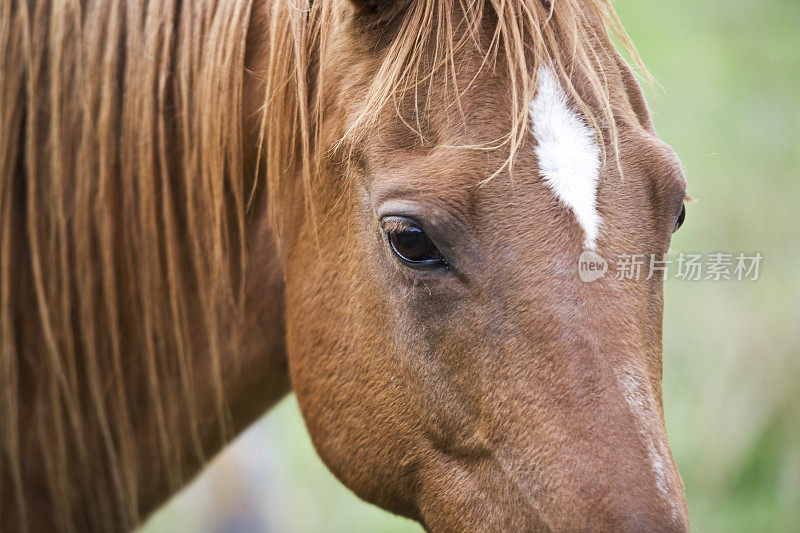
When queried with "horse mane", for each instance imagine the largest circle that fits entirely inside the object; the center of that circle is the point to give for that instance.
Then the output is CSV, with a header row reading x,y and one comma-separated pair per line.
x,y
419,57
123,202
122,216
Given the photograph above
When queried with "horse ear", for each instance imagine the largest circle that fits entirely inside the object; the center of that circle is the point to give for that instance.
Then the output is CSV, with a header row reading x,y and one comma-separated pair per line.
x,y
376,11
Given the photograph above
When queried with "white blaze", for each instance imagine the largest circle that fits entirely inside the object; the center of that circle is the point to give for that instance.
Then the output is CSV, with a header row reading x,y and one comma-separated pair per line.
x,y
568,156
639,395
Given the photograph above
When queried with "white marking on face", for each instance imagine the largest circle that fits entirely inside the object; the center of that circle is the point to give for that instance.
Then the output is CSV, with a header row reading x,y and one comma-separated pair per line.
x,y
568,155
639,396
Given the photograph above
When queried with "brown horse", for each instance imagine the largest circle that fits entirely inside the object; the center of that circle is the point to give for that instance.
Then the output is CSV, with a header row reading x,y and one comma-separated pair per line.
x,y
377,204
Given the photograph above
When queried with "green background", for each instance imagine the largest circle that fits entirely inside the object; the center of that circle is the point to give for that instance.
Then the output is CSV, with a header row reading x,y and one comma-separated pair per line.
x,y
728,101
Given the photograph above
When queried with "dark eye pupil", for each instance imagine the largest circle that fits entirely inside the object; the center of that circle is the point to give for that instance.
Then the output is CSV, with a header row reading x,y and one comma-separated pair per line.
x,y
412,244
681,218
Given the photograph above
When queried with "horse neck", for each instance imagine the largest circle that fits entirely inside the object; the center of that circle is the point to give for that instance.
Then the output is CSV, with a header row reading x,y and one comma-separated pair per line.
x,y
70,456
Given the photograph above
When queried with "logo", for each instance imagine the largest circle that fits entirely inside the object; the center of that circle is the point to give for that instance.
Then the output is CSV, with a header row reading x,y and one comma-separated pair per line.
x,y
591,266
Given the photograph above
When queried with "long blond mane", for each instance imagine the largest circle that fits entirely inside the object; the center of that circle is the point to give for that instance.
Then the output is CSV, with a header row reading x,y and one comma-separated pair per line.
x,y
123,204
122,214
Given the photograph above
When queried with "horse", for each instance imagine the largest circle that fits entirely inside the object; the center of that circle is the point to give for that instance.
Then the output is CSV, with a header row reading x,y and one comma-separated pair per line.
x,y
377,205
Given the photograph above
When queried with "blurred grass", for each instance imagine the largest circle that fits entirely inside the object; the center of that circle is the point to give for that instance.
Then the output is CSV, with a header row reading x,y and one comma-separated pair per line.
x,y
730,106
729,103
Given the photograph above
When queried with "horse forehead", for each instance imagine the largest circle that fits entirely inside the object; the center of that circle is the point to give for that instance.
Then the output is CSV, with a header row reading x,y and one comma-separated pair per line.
x,y
567,153
568,157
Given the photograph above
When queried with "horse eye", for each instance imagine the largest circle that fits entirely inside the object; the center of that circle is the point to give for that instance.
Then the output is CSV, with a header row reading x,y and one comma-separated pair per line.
x,y
410,243
681,218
